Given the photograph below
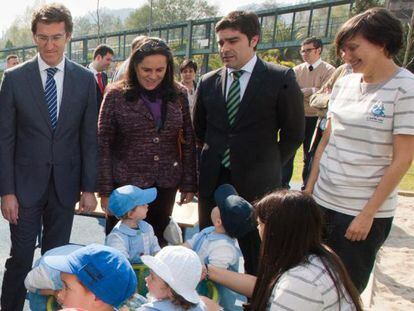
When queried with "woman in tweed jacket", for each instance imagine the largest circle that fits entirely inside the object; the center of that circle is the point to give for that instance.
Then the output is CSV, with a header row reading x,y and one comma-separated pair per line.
x,y
145,135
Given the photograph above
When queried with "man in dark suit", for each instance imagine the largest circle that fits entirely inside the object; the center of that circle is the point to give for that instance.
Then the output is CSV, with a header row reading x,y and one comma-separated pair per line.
x,y
249,118
48,125
102,59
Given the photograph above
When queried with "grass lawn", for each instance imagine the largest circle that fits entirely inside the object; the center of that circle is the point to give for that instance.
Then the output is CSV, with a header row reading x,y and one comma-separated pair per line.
x,y
406,184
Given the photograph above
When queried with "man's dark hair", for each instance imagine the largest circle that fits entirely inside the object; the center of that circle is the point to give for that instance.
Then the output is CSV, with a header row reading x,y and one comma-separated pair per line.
x,y
188,63
52,13
377,25
317,43
11,56
102,50
245,22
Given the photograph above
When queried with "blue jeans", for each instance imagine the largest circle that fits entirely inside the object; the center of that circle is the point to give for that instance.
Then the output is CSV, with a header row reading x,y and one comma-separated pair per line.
x,y
358,257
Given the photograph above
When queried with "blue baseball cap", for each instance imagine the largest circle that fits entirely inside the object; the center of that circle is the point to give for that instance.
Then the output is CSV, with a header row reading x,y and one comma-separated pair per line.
x,y
235,212
124,199
105,271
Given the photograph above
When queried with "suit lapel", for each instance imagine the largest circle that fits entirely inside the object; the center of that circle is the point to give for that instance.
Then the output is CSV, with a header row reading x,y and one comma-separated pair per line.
x,y
253,87
68,90
36,87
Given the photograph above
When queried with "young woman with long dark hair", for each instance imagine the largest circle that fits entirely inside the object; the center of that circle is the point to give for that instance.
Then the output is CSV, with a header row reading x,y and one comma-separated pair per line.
x,y
297,271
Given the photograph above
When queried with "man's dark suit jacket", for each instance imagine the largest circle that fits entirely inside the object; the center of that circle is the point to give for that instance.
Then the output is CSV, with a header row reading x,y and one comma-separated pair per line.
x,y
269,127
31,152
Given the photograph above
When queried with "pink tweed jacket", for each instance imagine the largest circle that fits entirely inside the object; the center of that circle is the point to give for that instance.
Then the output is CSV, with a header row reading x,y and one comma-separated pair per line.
x,y
131,151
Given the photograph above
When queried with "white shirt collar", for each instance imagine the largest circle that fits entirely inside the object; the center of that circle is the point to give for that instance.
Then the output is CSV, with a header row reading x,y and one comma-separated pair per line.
x,y
315,64
91,68
248,67
43,66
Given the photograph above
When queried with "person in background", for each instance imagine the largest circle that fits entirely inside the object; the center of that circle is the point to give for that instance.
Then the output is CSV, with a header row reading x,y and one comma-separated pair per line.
x,y
94,277
368,144
48,147
297,271
132,236
311,75
121,70
319,101
145,135
188,71
11,61
102,59
248,118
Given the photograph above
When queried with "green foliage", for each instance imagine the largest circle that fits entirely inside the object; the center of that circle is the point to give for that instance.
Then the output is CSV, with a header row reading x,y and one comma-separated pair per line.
x,y
170,11
363,5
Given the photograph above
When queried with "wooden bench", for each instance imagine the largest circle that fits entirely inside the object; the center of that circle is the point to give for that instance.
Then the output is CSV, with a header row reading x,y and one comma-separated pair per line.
x,y
185,215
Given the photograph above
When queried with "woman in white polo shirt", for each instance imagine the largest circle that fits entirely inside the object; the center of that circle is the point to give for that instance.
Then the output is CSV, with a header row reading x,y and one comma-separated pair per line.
x,y
368,145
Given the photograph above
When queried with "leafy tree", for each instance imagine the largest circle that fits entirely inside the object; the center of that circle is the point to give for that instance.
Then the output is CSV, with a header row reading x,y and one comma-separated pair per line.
x,y
170,11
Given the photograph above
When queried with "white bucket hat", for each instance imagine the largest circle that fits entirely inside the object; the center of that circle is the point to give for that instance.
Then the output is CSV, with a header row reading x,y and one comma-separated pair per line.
x,y
179,267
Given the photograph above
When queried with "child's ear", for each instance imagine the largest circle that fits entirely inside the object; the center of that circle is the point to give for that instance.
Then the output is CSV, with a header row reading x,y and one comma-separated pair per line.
x,y
219,222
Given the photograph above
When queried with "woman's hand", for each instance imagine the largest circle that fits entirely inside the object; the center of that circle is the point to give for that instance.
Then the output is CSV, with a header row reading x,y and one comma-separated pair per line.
x,y
360,227
186,197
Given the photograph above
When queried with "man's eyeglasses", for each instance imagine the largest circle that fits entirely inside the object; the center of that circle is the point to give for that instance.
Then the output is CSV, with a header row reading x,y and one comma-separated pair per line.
x,y
307,51
54,39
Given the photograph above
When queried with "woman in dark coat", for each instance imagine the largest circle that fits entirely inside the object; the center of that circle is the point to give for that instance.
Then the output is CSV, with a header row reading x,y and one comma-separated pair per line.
x,y
145,135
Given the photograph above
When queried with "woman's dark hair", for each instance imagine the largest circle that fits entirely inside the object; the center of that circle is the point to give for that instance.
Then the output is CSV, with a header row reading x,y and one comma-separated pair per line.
x,y
377,25
188,63
293,231
130,86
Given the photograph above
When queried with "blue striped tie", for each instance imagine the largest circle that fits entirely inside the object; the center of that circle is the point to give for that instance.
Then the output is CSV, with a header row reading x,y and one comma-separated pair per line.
x,y
51,96
232,106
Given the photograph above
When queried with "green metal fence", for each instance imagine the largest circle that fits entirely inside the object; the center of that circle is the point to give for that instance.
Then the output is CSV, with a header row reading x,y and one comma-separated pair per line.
x,y
282,27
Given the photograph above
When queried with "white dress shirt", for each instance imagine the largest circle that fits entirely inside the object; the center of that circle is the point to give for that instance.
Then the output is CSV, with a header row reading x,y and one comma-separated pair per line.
x,y
315,64
244,78
59,75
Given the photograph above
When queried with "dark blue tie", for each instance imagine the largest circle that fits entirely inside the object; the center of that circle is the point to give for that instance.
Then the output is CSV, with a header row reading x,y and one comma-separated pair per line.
x,y
51,96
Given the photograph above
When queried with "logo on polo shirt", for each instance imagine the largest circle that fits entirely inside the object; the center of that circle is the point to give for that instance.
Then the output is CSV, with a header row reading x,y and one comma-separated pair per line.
x,y
377,113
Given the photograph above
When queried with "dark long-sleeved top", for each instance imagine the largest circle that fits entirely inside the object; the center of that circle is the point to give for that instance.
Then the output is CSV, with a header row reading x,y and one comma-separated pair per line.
x,y
132,151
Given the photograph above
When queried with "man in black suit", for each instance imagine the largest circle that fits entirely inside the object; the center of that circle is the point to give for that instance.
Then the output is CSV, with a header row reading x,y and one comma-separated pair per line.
x,y
102,59
48,148
249,119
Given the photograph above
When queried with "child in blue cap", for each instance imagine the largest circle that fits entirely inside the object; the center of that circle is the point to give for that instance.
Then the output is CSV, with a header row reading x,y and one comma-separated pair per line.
x,y
43,281
217,245
132,236
94,277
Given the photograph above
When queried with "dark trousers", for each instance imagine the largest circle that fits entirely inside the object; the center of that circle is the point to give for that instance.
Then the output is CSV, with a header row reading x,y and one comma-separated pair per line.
x,y
158,216
358,257
287,171
57,224
249,244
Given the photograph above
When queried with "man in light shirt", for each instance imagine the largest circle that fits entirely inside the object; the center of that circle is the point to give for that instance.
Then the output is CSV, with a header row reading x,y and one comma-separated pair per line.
x,y
48,148
311,75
